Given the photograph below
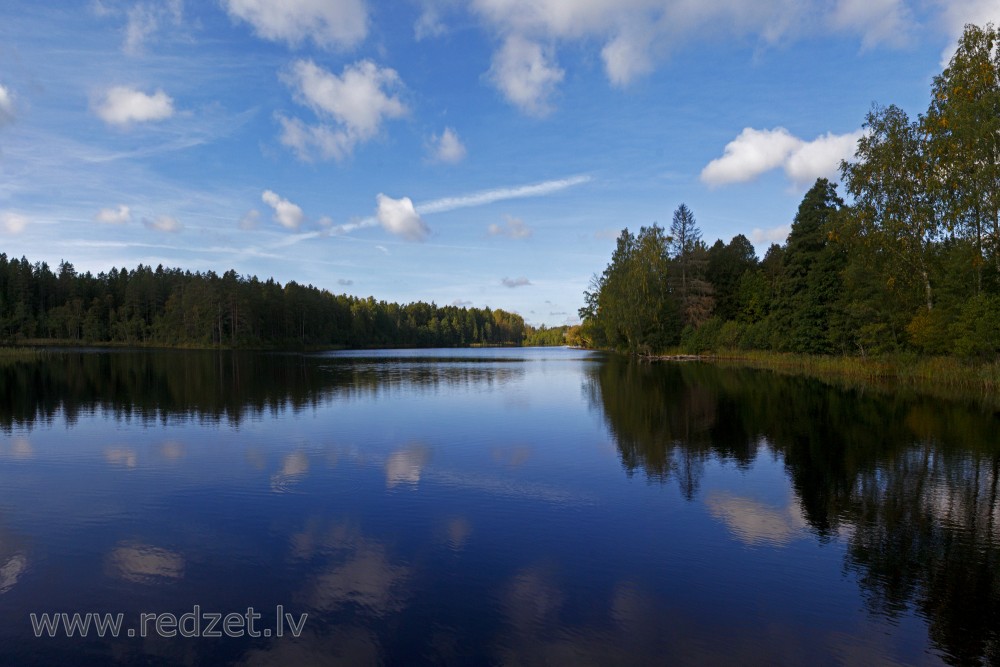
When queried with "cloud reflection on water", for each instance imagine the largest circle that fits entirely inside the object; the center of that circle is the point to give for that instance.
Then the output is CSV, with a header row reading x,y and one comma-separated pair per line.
x,y
143,563
755,523
405,465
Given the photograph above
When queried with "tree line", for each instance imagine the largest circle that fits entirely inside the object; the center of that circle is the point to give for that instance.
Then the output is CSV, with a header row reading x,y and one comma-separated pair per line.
x,y
910,262
172,307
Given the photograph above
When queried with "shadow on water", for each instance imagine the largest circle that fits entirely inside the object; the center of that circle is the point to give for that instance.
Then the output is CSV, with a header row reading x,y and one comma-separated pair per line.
x,y
910,484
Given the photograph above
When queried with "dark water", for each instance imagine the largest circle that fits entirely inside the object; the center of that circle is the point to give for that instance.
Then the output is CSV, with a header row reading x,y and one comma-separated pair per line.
x,y
533,506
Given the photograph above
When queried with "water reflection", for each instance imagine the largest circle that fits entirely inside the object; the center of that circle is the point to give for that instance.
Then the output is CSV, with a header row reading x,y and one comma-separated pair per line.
x,y
458,530
13,560
222,386
294,467
358,490
405,465
145,564
125,457
755,523
17,448
911,483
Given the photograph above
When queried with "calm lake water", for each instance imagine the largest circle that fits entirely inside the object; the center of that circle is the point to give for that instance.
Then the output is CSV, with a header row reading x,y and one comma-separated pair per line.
x,y
514,506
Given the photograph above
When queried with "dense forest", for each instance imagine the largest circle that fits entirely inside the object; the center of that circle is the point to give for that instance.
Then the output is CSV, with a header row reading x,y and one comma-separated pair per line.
x,y
909,262
171,307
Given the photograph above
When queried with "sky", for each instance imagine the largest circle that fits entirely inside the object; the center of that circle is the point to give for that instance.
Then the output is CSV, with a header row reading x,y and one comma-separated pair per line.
x,y
468,152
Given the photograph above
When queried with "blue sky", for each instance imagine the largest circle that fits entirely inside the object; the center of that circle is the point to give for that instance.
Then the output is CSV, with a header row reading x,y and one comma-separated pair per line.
x,y
477,152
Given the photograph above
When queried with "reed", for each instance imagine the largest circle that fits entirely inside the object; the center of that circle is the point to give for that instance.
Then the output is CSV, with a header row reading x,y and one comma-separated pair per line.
x,y
946,377
15,354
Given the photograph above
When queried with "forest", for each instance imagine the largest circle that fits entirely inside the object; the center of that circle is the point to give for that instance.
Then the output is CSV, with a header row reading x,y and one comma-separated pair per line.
x,y
175,308
907,259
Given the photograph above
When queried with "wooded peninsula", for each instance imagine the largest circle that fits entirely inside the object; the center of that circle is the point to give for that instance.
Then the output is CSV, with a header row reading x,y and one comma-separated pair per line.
x,y
175,308
909,264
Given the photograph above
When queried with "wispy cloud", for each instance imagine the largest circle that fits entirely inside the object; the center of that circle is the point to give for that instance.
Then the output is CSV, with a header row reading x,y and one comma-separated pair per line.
x,y
774,235
515,282
485,197
481,198
114,216
13,223
250,220
513,228
164,223
6,106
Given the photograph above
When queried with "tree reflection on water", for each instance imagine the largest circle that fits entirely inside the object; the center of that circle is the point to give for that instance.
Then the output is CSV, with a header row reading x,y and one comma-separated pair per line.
x,y
909,483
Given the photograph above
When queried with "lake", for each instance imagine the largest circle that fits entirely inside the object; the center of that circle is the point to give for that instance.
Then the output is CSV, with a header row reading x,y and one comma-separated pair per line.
x,y
489,506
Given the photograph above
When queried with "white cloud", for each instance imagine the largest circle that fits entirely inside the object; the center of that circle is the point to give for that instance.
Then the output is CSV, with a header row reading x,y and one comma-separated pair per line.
x,y
515,282
774,235
339,24
526,74
164,223
820,158
6,106
399,217
755,152
114,216
513,228
382,249
447,147
286,214
123,106
357,102
461,303
345,282
634,35
627,57
13,223
251,220
957,13
749,155
877,21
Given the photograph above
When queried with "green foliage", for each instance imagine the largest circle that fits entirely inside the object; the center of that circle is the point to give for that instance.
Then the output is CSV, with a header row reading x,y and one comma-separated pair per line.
x,y
977,330
546,337
726,267
170,307
630,304
910,264
702,339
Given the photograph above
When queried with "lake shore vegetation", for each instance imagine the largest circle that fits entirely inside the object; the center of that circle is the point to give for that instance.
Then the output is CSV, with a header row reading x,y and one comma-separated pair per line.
x,y
164,307
898,276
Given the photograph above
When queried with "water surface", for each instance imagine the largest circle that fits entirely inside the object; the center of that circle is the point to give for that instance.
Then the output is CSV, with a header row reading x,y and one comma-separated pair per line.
x,y
493,506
